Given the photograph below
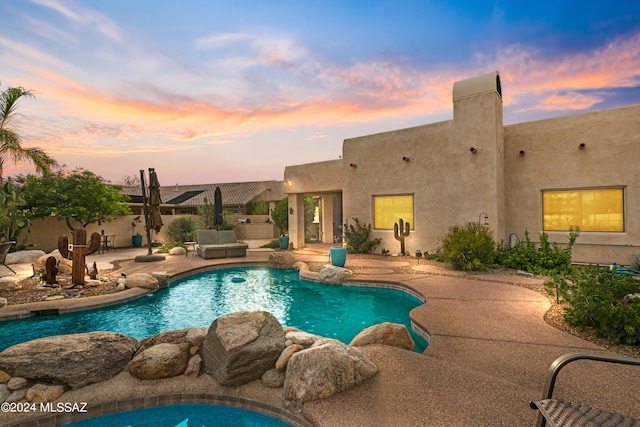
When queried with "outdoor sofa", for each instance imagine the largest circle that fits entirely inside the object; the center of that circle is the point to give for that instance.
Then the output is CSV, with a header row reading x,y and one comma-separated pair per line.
x,y
219,244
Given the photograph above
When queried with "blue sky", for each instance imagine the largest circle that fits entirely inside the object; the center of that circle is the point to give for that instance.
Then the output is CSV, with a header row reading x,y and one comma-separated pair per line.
x,y
218,91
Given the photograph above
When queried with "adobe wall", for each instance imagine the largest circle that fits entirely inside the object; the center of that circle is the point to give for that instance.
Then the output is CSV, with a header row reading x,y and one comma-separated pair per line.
x,y
553,160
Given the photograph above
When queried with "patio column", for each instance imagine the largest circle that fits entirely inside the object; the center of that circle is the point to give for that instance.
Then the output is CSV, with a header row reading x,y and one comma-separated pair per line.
x,y
296,220
326,218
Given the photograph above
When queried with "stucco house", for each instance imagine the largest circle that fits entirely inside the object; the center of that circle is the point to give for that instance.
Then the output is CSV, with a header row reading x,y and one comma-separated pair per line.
x,y
542,176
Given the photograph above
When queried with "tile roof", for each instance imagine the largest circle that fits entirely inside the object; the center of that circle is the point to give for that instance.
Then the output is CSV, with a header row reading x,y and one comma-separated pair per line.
x,y
233,193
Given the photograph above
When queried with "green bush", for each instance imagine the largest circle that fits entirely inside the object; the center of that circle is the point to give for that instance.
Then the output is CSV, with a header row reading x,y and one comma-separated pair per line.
x,y
184,228
164,249
596,299
357,238
548,258
273,244
469,247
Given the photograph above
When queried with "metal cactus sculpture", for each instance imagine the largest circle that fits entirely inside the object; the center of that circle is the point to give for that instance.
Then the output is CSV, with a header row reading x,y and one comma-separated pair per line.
x,y
400,232
78,251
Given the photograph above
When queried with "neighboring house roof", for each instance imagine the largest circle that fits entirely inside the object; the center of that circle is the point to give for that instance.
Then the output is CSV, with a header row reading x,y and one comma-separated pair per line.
x,y
233,193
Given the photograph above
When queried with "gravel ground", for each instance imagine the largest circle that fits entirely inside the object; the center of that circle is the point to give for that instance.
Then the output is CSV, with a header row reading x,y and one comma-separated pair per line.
x,y
32,292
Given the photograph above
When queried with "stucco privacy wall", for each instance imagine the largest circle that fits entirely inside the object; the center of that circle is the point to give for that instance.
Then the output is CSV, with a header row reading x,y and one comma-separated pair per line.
x,y
452,184
553,160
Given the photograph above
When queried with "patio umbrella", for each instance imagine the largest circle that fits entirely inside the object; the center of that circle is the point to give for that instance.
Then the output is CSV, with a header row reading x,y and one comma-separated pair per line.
x,y
155,219
218,220
152,218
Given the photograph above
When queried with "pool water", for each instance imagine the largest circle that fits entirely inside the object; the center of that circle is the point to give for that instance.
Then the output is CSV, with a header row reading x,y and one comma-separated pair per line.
x,y
195,415
339,312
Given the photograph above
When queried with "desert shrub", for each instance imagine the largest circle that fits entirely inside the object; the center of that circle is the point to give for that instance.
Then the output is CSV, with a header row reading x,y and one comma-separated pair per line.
x,y
547,258
596,299
357,238
273,244
164,249
469,247
184,228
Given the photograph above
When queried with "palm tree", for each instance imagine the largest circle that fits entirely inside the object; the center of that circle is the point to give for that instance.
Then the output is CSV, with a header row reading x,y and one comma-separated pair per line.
x,y
10,140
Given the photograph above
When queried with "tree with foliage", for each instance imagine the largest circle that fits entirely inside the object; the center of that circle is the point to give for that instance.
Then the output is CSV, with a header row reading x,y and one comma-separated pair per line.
x,y
280,213
10,140
206,212
260,207
14,218
79,197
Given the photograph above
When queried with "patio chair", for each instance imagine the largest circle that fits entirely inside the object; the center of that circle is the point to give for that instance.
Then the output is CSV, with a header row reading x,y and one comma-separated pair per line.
x,y
561,412
4,250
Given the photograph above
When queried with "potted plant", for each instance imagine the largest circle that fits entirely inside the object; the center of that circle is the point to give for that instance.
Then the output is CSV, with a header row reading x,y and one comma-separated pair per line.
x,y
283,241
136,238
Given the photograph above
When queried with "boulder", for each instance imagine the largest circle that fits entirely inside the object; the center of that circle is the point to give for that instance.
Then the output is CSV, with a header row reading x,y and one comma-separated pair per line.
x,y
23,257
40,393
17,395
193,336
4,392
273,378
242,346
194,366
92,283
9,284
4,377
64,265
281,260
333,275
319,372
286,355
162,277
3,302
16,383
393,334
141,280
178,250
74,360
164,360
304,339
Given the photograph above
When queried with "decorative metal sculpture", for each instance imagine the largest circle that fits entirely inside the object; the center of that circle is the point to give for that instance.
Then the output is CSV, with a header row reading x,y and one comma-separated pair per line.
x,y
93,273
78,251
50,270
400,232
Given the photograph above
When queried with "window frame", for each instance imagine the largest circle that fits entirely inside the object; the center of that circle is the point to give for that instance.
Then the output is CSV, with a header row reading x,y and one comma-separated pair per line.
x,y
620,189
381,196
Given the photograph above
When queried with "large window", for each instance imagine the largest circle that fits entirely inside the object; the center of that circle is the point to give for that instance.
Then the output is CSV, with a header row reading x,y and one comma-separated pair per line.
x,y
387,210
588,209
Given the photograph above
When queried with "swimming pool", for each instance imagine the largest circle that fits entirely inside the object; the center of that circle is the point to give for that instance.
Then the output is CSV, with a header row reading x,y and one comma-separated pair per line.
x,y
196,415
339,312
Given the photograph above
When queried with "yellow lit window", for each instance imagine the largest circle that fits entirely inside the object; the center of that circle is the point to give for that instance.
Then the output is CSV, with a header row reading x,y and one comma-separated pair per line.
x,y
387,210
590,210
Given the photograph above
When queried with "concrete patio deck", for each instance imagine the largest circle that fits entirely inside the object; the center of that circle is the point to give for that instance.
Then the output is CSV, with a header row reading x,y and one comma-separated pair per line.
x,y
488,357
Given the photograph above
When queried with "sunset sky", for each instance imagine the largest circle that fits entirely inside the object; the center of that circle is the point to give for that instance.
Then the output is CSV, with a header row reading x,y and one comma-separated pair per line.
x,y
210,91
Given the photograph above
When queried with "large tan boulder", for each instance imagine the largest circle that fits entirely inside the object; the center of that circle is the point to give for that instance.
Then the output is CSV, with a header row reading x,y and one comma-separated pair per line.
x,y
64,265
281,260
164,360
393,334
242,346
319,372
73,360
141,280
332,275
40,393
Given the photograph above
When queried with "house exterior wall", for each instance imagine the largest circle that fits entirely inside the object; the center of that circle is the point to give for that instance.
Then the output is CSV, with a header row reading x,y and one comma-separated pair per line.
x,y
553,160
451,184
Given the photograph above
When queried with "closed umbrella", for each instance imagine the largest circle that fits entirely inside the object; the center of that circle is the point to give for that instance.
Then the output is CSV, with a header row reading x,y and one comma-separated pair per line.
x,y
218,220
152,217
155,219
